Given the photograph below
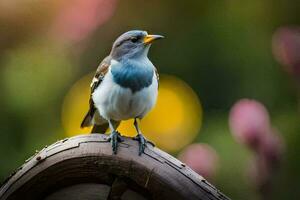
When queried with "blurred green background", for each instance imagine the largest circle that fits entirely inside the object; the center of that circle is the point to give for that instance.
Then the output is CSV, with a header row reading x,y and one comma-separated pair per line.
x,y
221,49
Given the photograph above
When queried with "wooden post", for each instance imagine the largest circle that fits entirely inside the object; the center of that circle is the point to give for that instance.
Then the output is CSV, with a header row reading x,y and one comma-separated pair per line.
x,y
83,167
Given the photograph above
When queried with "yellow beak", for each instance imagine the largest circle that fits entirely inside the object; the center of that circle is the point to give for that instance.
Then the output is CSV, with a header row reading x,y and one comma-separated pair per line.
x,y
148,39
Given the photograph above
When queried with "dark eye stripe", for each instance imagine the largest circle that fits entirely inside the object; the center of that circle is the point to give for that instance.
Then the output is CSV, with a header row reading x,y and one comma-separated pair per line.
x,y
129,39
134,39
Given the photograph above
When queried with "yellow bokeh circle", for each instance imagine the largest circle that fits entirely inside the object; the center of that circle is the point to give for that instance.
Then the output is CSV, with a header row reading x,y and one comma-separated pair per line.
x,y
173,123
75,106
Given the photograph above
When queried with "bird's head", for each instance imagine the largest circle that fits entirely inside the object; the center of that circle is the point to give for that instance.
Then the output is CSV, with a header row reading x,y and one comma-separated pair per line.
x,y
133,44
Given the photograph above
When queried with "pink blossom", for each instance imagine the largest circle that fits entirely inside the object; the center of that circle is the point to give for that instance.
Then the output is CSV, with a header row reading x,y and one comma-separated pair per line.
x,y
78,18
286,48
271,148
202,158
266,162
249,121
259,173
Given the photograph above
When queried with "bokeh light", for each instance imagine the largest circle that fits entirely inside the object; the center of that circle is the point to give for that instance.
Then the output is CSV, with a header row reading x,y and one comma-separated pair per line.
x,y
173,123
202,158
249,121
272,148
250,125
264,166
286,47
76,105
79,18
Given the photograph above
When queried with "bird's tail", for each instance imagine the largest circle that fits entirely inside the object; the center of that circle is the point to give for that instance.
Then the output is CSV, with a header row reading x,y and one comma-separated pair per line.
x,y
97,128
87,120
101,124
100,128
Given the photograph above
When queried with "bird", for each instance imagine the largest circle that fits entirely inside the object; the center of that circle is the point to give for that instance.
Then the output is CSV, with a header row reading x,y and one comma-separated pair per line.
x,y
125,86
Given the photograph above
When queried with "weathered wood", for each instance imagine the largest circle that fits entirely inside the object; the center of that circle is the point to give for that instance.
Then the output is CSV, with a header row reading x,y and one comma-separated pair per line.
x,y
68,167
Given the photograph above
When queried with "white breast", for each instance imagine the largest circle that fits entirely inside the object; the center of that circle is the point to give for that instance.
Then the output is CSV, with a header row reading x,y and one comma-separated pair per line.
x,y
118,103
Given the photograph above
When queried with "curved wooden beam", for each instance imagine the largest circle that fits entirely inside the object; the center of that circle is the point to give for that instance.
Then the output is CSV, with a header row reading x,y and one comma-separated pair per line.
x,y
84,166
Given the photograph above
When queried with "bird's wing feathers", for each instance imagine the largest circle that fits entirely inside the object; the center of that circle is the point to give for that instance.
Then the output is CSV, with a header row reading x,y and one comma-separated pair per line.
x,y
100,73
156,73
99,76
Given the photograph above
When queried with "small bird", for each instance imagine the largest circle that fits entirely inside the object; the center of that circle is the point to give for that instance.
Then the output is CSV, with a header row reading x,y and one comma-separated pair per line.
x,y
125,86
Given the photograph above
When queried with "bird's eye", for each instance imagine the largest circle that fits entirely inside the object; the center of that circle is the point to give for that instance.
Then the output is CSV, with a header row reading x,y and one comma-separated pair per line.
x,y
134,39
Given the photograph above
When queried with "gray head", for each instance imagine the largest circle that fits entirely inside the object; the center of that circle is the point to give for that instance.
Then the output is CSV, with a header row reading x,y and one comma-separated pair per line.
x,y
132,44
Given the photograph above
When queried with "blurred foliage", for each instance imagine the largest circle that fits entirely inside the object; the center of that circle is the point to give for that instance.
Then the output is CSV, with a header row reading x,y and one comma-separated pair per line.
x,y
220,49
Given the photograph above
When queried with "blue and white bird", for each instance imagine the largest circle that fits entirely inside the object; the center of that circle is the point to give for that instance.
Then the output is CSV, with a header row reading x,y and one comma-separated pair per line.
x,y
125,86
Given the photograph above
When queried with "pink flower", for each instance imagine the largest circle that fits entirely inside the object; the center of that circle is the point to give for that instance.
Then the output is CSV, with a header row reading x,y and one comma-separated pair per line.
x,y
202,158
286,48
259,173
271,148
79,18
270,153
249,121
250,125
266,162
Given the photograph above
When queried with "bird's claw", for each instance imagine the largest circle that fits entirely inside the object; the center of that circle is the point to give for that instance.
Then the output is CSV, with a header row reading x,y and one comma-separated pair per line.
x,y
142,143
114,138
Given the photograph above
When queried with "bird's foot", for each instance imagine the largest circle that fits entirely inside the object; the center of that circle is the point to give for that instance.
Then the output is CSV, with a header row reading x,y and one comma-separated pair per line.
x,y
114,138
142,143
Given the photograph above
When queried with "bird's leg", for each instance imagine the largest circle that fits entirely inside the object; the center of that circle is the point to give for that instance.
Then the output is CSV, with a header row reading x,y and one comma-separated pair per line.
x,y
114,137
140,138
